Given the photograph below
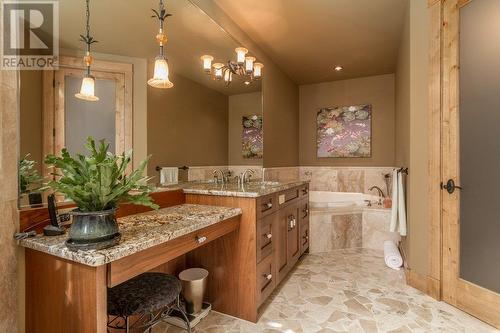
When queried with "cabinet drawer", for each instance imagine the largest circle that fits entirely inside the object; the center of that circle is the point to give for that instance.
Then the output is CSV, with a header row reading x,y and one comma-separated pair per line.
x,y
304,237
304,190
265,279
265,244
266,205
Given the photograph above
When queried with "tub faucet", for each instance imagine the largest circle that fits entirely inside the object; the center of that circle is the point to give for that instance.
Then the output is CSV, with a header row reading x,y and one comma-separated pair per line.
x,y
380,193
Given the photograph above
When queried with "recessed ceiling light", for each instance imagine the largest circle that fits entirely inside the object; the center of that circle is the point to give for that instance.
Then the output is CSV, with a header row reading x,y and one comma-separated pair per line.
x,y
338,68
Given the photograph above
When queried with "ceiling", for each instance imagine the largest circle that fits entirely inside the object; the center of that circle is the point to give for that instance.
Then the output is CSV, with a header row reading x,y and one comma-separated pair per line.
x,y
126,28
307,38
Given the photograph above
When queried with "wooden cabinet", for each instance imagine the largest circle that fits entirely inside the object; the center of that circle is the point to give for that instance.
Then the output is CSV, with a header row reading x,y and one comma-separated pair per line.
x,y
273,234
288,249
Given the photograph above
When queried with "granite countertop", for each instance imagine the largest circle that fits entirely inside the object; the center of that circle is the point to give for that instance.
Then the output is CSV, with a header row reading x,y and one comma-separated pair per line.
x,y
139,232
249,190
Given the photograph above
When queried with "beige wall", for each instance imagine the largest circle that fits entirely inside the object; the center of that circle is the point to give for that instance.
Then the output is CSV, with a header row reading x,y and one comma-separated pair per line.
x,y
402,86
411,129
375,90
10,317
241,105
418,185
187,125
280,96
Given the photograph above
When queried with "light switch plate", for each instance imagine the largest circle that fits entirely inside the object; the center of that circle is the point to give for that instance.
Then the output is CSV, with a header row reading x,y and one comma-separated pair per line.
x,y
281,199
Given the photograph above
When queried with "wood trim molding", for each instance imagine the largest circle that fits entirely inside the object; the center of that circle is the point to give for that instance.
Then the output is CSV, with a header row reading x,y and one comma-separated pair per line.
x,y
97,65
434,143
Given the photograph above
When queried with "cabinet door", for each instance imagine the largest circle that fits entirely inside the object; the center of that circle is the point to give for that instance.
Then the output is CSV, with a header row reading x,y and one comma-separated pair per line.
x,y
293,236
281,252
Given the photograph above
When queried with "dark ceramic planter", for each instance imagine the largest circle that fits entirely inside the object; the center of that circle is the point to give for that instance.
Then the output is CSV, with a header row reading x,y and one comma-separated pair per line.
x,y
93,230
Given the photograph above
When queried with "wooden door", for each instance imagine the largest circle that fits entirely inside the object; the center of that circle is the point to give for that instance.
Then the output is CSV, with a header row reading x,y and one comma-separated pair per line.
x,y
59,104
470,132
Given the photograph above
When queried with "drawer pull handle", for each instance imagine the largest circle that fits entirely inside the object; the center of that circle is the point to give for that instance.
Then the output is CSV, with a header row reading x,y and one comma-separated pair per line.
x,y
304,191
268,276
306,211
201,240
269,236
269,205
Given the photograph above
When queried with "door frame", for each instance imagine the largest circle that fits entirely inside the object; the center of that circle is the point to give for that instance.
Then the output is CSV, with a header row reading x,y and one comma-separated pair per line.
x,y
53,102
444,232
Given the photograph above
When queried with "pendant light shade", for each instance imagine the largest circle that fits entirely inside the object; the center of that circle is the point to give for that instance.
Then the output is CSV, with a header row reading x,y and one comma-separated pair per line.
x,y
160,76
87,91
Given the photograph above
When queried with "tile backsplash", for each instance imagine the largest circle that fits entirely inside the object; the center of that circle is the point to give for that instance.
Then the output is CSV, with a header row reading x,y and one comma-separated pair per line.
x,y
333,179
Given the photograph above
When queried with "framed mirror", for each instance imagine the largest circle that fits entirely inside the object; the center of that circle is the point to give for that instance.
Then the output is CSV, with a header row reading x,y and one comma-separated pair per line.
x,y
200,124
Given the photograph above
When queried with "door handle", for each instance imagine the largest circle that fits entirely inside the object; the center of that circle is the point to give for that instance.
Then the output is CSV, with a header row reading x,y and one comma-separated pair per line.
x,y
450,186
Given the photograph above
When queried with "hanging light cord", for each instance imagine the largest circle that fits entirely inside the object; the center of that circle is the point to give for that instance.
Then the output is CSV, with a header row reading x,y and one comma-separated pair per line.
x,y
161,14
87,39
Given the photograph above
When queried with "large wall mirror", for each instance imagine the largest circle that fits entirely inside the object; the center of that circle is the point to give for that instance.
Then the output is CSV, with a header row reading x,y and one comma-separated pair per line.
x,y
201,123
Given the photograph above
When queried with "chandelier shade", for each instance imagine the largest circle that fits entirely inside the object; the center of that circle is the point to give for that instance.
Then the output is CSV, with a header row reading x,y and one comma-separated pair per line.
x,y
245,66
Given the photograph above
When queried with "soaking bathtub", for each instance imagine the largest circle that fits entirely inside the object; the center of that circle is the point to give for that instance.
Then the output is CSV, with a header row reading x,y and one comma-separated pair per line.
x,y
340,220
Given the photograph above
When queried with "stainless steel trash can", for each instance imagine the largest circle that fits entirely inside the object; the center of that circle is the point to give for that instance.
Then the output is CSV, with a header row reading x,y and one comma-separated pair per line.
x,y
194,284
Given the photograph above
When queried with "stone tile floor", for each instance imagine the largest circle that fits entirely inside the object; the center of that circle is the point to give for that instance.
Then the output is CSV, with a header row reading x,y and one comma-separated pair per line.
x,y
345,291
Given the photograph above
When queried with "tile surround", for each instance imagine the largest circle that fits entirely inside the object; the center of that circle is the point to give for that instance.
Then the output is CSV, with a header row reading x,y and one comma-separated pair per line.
x,y
332,231
345,291
333,179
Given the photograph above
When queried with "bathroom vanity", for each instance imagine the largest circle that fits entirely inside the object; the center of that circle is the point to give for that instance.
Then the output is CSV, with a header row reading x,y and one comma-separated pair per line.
x,y
248,237
273,234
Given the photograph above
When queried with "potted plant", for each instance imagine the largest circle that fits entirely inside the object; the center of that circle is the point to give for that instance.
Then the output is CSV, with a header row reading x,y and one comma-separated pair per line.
x,y
97,183
30,182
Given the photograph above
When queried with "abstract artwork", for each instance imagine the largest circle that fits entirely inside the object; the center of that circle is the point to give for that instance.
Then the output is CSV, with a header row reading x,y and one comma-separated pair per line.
x,y
344,131
252,143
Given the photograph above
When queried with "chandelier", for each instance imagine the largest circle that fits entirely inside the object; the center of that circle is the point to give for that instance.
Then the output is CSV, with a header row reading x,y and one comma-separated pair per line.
x,y
244,66
87,90
160,75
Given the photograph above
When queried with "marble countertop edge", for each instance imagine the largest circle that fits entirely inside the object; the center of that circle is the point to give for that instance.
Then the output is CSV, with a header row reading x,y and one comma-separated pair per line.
x,y
139,232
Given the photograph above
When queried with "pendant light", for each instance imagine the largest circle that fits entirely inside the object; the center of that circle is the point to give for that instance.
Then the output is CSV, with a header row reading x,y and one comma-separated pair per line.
x,y
160,75
87,90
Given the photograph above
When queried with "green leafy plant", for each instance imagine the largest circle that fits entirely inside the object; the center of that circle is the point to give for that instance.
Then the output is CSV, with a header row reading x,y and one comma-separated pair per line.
x,y
29,179
99,181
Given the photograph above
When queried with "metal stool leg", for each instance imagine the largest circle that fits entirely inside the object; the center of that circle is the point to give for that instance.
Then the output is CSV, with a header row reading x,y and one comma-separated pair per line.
x,y
127,326
179,308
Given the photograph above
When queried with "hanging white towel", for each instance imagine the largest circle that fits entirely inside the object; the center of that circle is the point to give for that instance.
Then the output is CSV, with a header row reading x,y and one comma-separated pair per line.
x,y
392,256
401,206
169,175
398,212
394,210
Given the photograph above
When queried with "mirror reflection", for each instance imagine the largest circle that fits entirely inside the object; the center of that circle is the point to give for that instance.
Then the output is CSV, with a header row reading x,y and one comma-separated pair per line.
x,y
211,118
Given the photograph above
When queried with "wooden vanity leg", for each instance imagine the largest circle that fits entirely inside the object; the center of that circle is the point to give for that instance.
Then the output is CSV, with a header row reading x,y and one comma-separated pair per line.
x,y
63,296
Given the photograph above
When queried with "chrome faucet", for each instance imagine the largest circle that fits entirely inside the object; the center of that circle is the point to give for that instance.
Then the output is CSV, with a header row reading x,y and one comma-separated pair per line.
x,y
218,175
246,175
380,193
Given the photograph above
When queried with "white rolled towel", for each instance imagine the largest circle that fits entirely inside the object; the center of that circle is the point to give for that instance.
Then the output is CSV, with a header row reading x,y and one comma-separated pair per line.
x,y
392,256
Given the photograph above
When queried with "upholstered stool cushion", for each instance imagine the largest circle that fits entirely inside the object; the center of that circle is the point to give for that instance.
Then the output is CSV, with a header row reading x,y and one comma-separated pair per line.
x,y
145,293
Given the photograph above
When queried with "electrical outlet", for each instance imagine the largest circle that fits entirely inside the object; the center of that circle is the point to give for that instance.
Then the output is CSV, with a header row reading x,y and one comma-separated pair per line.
x,y
281,199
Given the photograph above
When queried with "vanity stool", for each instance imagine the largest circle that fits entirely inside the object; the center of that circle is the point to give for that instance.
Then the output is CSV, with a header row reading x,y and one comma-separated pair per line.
x,y
149,297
